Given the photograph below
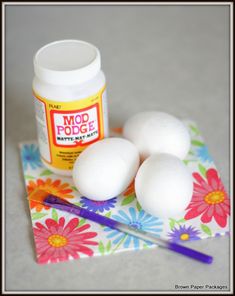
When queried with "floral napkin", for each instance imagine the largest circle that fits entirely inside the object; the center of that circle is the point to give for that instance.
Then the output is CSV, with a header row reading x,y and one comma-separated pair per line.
x,y
60,236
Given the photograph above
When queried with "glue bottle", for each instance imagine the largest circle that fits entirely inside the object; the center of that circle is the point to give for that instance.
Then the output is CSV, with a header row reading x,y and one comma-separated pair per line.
x,y
69,91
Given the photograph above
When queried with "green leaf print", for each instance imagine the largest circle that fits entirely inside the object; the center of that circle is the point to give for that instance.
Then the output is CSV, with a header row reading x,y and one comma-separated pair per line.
x,y
172,223
190,152
74,188
101,248
202,170
36,216
128,200
81,222
54,215
77,204
27,177
138,206
108,246
197,143
145,246
194,129
181,221
206,229
108,214
104,249
46,173
187,161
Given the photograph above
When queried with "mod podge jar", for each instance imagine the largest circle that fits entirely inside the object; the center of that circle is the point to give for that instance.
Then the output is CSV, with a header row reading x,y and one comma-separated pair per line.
x,y
69,89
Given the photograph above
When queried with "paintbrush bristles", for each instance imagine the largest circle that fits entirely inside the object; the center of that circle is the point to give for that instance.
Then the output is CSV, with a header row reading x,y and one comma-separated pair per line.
x,y
38,195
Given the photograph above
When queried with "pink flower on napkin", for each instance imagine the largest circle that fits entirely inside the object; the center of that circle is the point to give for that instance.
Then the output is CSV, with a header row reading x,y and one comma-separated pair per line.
x,y
56,241
209,199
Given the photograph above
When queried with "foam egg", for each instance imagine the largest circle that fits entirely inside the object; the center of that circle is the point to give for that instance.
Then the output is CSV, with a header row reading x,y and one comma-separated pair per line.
x,y
105,168
157,132
163,185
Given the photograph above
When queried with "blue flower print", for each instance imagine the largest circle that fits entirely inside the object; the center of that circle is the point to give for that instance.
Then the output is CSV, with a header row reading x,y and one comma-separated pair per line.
x,y
31,156
203,154
100,206
139,220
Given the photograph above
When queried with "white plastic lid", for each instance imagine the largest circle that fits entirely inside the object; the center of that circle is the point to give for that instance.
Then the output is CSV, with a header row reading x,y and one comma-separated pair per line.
x,y
67,62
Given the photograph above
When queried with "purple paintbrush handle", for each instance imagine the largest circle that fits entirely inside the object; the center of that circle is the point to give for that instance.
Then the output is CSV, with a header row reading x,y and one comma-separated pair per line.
x,y
63,205
190,253
98,218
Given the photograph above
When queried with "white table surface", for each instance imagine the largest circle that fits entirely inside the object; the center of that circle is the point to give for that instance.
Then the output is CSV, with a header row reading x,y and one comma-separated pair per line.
x,y
169,58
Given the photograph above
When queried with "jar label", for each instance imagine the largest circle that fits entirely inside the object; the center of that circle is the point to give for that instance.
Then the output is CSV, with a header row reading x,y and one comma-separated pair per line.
x,y
65,129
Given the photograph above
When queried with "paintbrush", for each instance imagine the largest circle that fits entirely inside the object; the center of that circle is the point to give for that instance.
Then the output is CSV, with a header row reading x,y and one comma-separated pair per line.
x,y
57,202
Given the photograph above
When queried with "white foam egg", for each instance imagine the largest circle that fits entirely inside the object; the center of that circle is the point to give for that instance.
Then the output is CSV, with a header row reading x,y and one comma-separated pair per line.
x,y
157,132
163,185
106,168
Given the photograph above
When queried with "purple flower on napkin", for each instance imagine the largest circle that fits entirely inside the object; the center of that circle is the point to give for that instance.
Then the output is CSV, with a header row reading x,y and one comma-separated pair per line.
x,y
98,206
184,233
